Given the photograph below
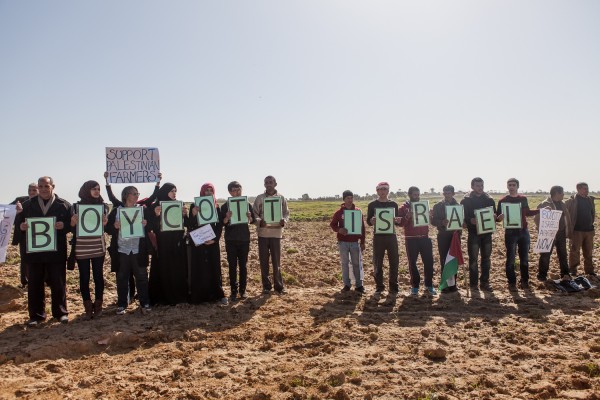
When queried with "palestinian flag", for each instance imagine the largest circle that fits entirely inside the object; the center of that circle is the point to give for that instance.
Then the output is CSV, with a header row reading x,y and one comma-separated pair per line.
x,y
453,260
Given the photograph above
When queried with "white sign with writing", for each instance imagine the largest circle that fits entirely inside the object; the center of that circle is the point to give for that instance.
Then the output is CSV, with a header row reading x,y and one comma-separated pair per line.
x,y
132,164
8,213
549,220
202,234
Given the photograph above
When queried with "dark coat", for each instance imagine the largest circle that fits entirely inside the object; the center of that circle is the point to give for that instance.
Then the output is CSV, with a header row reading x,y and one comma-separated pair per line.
x,y
61,209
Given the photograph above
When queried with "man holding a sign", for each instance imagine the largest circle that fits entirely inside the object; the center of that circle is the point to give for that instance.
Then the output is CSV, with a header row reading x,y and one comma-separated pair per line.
x,y
46,251
415,220
554,203
272,213
448,217
514,209
382,214
480,217
236,214
349,224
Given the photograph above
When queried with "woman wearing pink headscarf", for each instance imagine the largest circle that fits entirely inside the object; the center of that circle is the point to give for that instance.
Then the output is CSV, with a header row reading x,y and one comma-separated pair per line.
x,y
206,284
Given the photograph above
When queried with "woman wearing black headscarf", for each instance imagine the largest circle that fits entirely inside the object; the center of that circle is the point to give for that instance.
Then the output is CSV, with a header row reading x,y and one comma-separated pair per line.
x,y
168,268
206,283
90,251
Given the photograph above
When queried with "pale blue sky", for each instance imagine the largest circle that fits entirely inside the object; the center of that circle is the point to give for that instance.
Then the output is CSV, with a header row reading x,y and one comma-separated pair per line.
x,y
324,95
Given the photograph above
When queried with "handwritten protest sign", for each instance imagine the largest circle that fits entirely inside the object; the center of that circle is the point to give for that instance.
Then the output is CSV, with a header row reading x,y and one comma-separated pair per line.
x,y
202,235
455,216
171,216
272,210
353,221
239,210
420,213
486,223
384,220
512,215
41,234
90,220
7,219
131,219
132,164
207,212
549,221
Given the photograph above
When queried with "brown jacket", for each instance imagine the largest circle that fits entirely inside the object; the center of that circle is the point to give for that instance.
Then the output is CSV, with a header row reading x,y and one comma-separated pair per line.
x,y
566,215
571,204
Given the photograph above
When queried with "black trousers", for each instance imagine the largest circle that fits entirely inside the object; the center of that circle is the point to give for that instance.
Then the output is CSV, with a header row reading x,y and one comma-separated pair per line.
x,y
424,247
56,275
560,243
237,254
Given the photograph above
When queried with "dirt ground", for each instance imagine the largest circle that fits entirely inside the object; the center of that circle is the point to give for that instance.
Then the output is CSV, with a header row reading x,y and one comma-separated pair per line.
x,y
314,342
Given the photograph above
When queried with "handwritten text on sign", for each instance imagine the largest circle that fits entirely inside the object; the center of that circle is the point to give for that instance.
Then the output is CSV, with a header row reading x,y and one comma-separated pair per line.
x,y
549,220
7,218
132,164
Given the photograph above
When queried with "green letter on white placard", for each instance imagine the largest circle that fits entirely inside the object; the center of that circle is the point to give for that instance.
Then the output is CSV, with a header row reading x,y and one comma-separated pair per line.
x,y
455,216
420,213
512,215
207,212
272,210
239,210
384,220
486,222
171,217
131,219
41,234
90,220
353,222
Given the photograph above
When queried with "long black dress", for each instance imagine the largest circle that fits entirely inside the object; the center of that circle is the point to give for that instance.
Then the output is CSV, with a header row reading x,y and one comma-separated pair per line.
x,y
206,278
168,268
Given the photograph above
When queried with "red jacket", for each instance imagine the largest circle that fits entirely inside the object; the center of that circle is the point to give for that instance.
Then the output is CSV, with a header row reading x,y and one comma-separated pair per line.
x,y
409,230
337,222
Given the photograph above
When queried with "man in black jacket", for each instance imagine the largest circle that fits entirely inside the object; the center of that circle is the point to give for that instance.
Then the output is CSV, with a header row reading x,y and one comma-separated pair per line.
x,y
18,238
51,264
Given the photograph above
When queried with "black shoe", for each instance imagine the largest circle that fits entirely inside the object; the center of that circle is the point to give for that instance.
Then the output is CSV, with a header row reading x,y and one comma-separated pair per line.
x,y
360,289
346,289
512,287
524,285
243,295
282,291
486,287
266,291
474,287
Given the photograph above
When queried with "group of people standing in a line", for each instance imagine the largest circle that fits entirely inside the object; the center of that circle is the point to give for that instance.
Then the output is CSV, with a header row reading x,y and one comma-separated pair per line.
x,y
576,223
180,271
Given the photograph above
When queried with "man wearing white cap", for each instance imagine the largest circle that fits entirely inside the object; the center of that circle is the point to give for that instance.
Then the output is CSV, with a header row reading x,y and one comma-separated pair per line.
x,y
383,242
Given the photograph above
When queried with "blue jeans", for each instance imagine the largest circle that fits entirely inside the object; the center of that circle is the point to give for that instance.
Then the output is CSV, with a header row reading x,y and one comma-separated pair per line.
x,y
514,238
475,245
351,251
97,265
127,264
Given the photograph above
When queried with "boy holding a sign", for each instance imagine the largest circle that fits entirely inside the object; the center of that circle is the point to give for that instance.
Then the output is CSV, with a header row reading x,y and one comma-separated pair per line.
x,y
272,213
448,217
88,221
236,214
514,209
415,220
45,220
382,214
480,217
349,224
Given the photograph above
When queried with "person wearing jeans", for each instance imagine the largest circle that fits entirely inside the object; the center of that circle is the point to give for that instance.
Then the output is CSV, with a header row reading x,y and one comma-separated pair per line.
x,y
131,254
517,238
478,244
348,245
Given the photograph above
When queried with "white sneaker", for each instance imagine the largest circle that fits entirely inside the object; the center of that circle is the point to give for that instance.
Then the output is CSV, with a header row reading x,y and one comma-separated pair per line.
x,y
146,309
120,310
224,301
